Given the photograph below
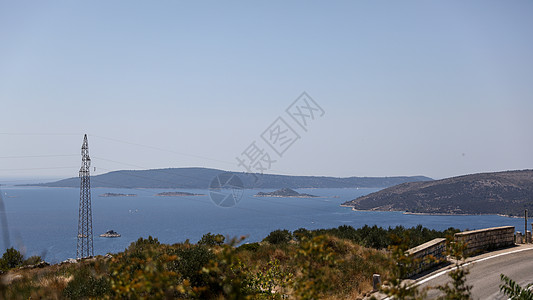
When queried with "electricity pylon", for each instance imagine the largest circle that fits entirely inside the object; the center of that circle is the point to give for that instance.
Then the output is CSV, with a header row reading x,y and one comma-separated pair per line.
x,y
85,220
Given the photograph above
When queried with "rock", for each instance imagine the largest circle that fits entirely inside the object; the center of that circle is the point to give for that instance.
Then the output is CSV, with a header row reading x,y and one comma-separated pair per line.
x,y
69,261
42,264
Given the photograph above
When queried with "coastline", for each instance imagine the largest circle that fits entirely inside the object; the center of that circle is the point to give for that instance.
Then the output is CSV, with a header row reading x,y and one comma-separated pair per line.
x,y
432,214
278,196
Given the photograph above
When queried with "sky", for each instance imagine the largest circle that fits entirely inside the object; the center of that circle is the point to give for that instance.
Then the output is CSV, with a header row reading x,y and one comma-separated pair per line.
x,y
433,88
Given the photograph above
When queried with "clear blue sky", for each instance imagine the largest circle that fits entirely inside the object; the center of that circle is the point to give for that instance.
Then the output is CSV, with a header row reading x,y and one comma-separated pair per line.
x,y
435,88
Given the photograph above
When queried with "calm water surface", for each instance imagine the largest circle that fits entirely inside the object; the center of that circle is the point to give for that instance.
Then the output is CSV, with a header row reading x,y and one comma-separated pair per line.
x,y
43,221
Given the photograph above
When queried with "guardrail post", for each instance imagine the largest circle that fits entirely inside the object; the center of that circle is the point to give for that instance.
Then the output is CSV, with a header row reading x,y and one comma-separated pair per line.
x,y
518,238
376,282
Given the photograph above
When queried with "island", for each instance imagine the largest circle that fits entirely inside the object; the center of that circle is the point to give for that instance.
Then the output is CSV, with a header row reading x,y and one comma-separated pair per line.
x,y
177,194
285,193
499,193
117,195
110,234
200,178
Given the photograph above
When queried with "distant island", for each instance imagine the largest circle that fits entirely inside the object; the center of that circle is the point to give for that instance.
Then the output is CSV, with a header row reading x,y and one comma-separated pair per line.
x,y
503,193
285,193
117,195
177,194
200,178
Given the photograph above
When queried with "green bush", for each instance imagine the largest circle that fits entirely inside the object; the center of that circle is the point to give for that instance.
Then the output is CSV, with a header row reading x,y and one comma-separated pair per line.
x,y
191,259
32,260
211,240
249,247
86,285
279,236
302,233
12,258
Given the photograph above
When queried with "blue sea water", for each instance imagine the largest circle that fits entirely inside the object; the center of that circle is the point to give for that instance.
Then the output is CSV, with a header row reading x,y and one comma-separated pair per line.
x,y
43,221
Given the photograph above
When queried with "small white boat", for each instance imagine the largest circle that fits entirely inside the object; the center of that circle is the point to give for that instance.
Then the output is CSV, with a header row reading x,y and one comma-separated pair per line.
x,y
110,234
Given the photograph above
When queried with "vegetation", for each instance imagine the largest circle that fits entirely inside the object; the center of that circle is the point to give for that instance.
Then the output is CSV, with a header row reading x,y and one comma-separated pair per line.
x,y
514,291
210,239
199,178
457,289
285,192
378,237
306,264
507,193
396,287
278,237
12,258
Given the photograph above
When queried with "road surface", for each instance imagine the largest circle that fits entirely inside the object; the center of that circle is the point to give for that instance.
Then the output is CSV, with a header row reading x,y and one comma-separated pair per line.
x,y
485,270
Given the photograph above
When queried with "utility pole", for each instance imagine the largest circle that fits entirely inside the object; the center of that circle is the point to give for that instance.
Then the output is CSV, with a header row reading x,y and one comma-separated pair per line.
x,y
525,228
85,219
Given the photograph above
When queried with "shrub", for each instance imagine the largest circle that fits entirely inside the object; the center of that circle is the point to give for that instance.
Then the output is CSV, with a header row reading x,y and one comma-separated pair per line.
x,y
143,243
191,259
249,247
86,285
211,240
279,236
302,233
32,260
316,260
12,258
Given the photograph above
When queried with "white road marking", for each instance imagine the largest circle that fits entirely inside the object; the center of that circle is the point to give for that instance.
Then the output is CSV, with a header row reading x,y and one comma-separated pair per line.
x,y
468,263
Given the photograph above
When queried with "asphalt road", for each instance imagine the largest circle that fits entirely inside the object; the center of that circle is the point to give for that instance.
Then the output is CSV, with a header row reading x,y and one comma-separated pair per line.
x,y
485,270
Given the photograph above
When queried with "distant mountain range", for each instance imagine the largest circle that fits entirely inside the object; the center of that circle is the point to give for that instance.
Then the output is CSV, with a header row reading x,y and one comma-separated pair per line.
x,y
506,193
200,178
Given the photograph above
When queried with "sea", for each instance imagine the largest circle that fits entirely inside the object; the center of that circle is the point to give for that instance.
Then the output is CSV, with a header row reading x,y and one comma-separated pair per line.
x,y
44,221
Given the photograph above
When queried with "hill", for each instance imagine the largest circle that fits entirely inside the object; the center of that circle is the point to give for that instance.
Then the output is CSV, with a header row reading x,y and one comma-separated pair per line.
x,y
507,193
200,178
285,193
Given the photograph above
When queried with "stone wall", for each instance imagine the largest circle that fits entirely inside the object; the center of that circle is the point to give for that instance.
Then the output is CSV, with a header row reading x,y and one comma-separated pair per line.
x,y
428,254
486,239
433,252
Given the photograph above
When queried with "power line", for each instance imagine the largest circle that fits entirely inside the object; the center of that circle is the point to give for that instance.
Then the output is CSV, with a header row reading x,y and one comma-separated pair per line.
x,y
40,133
162,149
233,163
32,169
141,167
38,156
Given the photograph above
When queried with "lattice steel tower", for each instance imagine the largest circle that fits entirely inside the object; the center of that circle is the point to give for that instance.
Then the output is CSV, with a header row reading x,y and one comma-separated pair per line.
x,y
85,219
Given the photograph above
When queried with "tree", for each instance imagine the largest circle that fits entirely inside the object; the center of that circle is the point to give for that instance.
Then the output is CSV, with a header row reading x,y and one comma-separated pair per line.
x,y
398,288
12,258
458,290
279,236
316,259
514,291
